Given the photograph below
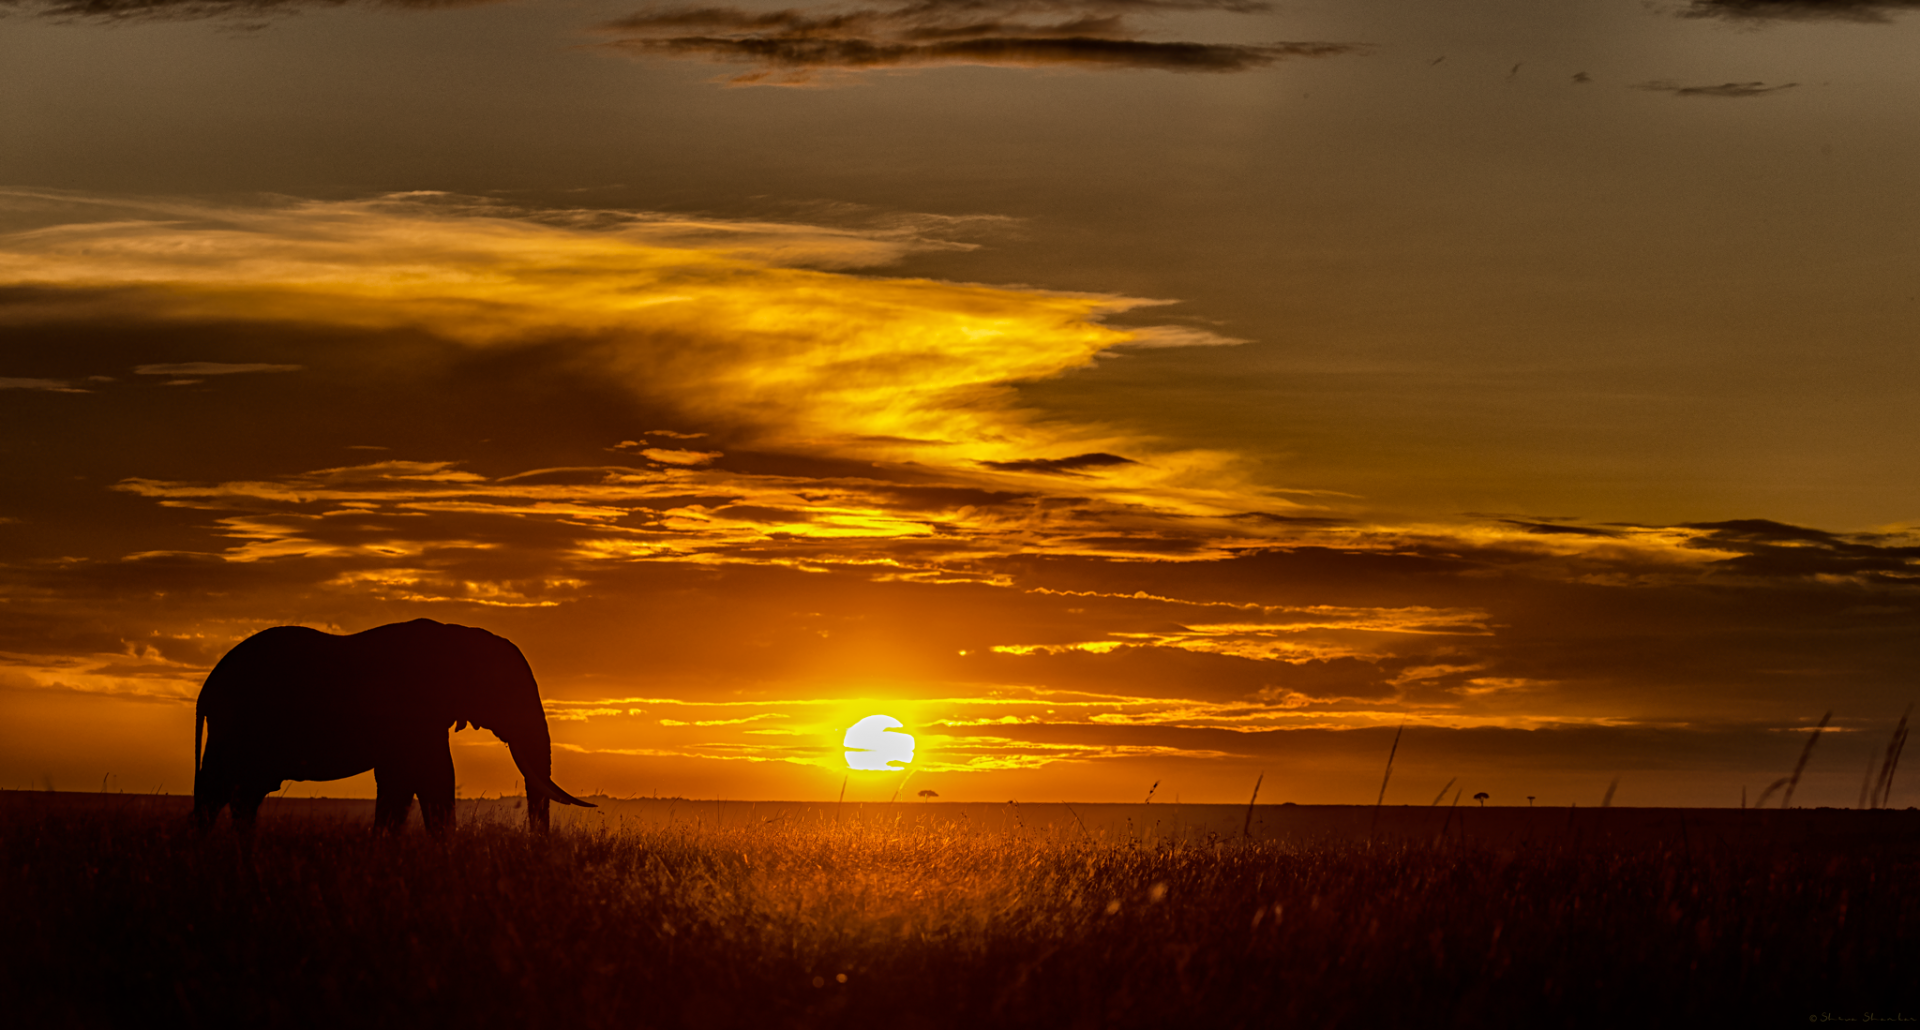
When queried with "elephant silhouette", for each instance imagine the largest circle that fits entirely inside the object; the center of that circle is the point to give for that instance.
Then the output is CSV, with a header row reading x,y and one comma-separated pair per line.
x,y
292,703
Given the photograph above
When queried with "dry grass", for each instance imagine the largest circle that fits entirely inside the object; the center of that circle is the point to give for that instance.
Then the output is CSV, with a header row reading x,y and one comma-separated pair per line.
x,y
128,919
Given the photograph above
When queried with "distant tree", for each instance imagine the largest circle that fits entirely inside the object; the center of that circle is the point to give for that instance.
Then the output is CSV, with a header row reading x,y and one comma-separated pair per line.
x,y
928,794
1482,798
1529,800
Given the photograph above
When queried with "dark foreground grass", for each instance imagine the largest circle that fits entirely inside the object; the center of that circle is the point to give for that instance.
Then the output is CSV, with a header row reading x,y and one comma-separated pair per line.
x,y
125,920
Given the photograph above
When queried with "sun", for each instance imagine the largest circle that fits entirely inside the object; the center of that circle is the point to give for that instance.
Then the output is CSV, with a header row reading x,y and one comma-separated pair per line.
x,y
872,745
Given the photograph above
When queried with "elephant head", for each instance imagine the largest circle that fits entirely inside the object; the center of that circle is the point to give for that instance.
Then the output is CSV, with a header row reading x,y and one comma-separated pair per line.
x,y
493,688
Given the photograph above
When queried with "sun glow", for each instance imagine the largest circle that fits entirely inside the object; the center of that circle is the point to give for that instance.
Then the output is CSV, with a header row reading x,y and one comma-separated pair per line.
x,y
872,745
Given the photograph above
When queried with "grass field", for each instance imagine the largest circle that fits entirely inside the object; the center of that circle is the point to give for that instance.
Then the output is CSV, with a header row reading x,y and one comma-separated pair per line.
x,y
121,916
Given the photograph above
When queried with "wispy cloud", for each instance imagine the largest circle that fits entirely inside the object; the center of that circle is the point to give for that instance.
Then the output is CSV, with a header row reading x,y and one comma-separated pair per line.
x,y
797,46
188,10
47,385
742,720
1464,625
1732,90
1799,10
211,368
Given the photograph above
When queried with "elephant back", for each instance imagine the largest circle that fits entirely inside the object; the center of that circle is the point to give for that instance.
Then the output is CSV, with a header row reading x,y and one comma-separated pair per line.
x,y
277,665
441,660
405,674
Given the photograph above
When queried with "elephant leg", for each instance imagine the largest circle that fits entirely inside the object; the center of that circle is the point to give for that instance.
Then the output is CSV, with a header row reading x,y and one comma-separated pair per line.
x,y
393,799
420,764
435,785
247,797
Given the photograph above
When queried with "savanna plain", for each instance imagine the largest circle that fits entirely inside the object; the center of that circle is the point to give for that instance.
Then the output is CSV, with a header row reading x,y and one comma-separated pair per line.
x,y
118,913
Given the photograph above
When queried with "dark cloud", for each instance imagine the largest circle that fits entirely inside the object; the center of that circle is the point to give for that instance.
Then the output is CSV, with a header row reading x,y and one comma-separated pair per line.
x,y
1551,528
1734,90
1799,10
1085,51
1776,549
790,46
1060,465
188,10
1142,545
1763,531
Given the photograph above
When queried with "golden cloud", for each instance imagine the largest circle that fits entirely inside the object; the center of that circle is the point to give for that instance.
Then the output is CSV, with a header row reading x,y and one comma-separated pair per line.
x,y
750,328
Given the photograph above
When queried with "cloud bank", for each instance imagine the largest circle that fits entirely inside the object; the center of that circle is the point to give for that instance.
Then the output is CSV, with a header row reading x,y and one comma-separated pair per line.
x,y
798,46
747,327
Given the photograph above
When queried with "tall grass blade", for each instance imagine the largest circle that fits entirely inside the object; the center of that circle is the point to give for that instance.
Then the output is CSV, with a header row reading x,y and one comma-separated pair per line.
x,y
1883,790
1390,753
1246,830
1449,820
1786,800
1442,796
1607,802
1771,787
1076,818
1383,780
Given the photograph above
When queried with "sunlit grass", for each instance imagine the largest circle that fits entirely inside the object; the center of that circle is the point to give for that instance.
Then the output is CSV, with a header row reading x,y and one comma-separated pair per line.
x,y
123,919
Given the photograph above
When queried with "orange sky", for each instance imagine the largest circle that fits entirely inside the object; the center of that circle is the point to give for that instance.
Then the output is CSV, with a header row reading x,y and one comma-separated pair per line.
x,y
1192,406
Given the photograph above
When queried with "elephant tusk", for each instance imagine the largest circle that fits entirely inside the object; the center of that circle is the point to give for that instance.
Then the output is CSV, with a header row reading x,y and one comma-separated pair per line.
x,y
553,791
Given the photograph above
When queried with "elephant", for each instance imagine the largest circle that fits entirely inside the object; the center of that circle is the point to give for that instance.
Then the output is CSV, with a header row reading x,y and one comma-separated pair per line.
x,y
292,703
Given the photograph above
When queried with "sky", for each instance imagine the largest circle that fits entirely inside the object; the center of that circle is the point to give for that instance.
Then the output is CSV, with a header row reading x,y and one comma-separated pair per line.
x,y
1125,396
